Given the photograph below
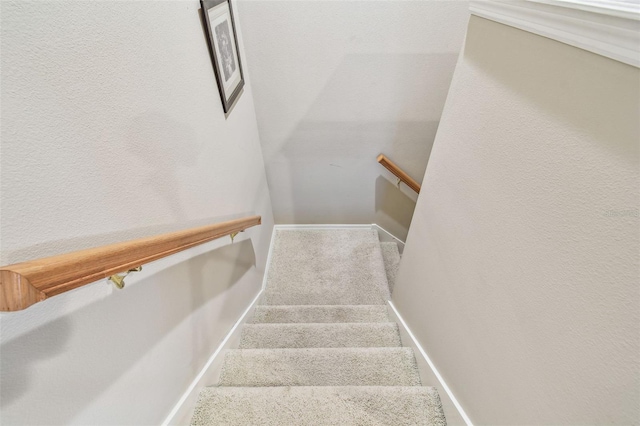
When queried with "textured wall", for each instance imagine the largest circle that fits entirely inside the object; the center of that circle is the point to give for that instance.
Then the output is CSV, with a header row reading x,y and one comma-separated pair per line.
x,y
337,83
520,273
112,128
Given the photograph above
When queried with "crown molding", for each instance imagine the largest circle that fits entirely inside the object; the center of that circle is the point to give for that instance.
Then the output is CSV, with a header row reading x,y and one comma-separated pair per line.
x,y
608,28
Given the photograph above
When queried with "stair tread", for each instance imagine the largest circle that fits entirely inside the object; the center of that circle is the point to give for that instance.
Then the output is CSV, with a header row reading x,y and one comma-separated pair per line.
x,y
320,314
320,335
326,267
327,405
320,367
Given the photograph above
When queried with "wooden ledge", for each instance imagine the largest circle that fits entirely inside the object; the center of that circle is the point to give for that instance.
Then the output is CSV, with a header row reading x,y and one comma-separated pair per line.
x,y
23,284
398,172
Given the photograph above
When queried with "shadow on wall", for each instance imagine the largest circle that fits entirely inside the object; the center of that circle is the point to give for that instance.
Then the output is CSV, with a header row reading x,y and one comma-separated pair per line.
x,y
330,173
325,170
164,146
68,363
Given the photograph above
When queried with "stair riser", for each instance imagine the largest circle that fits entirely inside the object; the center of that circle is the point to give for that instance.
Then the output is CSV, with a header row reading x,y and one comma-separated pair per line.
x,y
320,314
320,335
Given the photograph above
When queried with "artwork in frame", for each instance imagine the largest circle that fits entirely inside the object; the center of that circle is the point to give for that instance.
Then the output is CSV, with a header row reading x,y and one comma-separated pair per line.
x,y
223,45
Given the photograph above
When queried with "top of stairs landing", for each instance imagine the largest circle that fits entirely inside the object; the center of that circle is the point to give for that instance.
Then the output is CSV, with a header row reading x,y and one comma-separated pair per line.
x,y
326,267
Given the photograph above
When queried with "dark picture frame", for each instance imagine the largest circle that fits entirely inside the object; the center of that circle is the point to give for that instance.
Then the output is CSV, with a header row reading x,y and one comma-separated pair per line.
x,y
224,49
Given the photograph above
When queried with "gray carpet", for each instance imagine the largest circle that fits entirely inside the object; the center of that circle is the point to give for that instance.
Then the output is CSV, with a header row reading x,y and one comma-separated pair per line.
x,y
320,348
320,367
320,405
328,267
391,257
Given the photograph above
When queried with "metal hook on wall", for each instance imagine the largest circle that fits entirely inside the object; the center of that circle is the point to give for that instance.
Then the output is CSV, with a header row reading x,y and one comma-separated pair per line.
x,y
118,280
234,234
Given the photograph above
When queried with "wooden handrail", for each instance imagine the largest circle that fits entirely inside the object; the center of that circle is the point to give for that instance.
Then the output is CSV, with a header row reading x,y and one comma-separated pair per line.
x,y
23,284
393,168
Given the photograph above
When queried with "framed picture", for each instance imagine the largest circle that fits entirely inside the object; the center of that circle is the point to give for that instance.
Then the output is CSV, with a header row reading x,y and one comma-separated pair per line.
x,y
223,45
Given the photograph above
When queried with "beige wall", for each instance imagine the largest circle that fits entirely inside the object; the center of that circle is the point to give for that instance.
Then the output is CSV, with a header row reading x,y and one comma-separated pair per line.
x,y
520,274
112,128
335,84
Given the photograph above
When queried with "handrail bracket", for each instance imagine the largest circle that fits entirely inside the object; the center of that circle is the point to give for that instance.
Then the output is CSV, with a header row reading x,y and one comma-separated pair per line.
x,y
118,280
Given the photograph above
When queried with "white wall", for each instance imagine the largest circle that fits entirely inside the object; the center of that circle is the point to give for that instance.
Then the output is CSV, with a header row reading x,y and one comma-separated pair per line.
x,y
112,128
520,273
335,84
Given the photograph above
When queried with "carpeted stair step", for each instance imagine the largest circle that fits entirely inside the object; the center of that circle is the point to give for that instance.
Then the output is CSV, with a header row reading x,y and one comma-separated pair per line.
x,y
326,267
391,257
320,314
320,367
355,335
320,348
327,405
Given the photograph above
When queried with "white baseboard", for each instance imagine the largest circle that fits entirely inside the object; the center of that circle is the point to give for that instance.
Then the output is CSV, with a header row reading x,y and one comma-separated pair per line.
x,y
435,372
183,410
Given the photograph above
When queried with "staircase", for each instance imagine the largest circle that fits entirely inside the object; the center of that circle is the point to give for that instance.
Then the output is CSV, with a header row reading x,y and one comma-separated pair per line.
x,y
320,348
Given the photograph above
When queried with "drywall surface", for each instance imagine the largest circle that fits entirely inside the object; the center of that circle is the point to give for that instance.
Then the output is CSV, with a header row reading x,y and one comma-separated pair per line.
x,y
520,272
112,129
336,84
